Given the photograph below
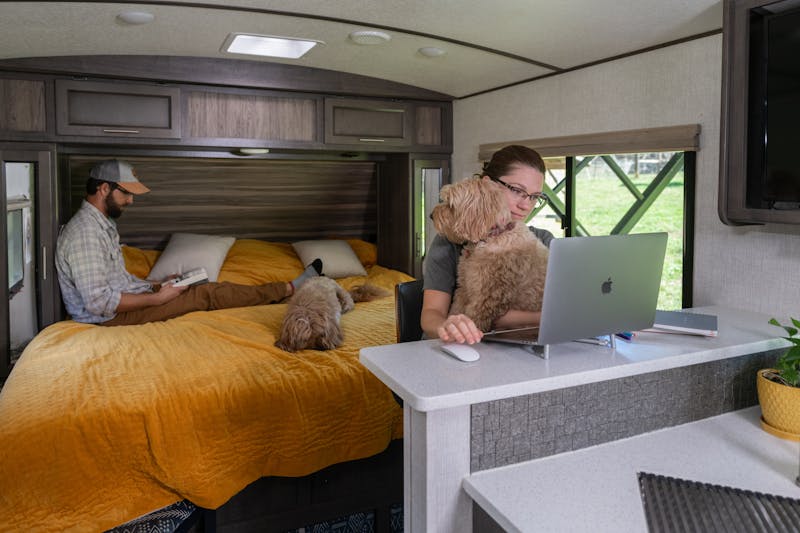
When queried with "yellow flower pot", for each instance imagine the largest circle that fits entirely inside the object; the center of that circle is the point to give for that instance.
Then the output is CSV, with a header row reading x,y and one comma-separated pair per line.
x,y
780,407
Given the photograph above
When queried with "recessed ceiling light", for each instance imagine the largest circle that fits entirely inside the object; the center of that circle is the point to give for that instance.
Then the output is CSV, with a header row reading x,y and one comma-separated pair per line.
x,y
369,37
268,45
135,17
431,51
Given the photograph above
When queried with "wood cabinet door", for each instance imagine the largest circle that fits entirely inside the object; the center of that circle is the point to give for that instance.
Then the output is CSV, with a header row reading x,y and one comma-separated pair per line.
x,y
117,109
285,119
368,122
22,107
430,122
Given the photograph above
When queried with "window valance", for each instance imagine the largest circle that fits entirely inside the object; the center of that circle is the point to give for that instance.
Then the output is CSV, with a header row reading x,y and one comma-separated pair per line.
x,y
666,139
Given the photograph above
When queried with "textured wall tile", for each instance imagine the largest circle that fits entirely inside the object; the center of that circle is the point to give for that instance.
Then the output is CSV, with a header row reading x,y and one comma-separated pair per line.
x,y
536,425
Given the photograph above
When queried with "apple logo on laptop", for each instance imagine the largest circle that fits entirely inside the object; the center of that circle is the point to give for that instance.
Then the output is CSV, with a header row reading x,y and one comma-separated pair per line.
x,y
605,288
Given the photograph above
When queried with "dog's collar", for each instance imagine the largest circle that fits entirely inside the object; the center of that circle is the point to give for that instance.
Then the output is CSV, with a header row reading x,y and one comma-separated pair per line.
x,y
494,232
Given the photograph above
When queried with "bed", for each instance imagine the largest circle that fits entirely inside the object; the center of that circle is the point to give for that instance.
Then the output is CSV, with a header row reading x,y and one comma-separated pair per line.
x,y
103,425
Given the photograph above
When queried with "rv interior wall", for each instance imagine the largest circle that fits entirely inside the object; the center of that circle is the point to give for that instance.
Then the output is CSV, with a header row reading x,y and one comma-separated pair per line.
x,y
679,84
267,199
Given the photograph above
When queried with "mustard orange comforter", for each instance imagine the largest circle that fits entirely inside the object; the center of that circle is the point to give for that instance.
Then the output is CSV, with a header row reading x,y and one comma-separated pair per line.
x,y
101,425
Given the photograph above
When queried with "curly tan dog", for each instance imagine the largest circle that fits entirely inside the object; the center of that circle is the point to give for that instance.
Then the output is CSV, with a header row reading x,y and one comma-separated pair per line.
x,y
503,264
315,310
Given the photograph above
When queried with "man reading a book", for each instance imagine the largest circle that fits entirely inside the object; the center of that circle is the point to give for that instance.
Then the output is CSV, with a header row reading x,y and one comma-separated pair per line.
x,y
97,289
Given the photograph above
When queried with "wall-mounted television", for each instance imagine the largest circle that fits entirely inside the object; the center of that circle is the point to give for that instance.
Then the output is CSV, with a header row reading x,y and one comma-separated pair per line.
x,y
759,180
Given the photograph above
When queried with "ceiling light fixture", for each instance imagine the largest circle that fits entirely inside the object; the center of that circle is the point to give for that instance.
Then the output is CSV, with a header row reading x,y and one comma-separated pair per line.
x,y
431,51
369,37
135,17
268,45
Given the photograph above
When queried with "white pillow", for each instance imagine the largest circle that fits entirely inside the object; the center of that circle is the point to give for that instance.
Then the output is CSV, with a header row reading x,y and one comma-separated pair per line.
x,y
186,251
338,258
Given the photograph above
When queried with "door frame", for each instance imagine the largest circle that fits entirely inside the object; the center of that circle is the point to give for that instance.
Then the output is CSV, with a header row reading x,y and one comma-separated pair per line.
x,y
48,300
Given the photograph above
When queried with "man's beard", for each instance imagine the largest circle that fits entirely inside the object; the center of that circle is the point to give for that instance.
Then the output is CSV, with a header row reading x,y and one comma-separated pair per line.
x,y
113,209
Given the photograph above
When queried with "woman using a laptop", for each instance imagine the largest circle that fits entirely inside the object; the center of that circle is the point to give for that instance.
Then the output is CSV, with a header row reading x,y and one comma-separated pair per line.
x,y
521,171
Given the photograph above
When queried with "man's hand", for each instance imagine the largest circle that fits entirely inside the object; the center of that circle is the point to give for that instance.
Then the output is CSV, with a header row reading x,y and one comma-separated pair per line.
x,y
168,291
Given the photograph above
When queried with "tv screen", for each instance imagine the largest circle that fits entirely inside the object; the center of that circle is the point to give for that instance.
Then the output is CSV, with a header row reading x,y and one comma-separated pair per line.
x,y
774,114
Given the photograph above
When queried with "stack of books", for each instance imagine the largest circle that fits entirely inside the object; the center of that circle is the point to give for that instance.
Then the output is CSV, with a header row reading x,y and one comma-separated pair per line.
x,y
684,322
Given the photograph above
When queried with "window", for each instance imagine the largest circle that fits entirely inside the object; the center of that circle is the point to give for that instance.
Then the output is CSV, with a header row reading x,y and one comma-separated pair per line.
x,y
642,181
627,193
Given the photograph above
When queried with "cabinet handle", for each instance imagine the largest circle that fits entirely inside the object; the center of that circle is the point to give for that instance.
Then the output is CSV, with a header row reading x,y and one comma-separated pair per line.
x,y
121,131
372,140
44,263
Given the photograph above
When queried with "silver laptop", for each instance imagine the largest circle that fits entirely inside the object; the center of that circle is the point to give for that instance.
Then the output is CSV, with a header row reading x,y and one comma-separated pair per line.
x,y
595,286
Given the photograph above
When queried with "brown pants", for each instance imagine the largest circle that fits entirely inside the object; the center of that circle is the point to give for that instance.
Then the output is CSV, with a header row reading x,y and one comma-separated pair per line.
x,y
205,297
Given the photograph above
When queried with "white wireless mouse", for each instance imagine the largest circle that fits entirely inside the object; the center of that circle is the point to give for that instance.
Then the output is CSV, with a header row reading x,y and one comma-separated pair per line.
x,y
462,352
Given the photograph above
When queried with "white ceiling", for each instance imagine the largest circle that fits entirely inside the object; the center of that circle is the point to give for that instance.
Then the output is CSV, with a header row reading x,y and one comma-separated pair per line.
x,y
488,43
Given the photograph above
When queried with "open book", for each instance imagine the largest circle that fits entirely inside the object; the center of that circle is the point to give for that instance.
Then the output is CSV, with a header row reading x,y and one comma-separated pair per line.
x,y
193,277
685,322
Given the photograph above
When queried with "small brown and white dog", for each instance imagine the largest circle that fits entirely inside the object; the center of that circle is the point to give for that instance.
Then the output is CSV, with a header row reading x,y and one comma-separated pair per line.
x,y
503,264
314,312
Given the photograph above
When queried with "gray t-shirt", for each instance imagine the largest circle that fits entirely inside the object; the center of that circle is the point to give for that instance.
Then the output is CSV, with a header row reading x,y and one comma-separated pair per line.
x,y
441,262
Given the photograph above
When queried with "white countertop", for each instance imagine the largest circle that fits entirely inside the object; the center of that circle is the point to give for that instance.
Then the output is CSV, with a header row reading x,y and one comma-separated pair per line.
x,y
596,489
427,379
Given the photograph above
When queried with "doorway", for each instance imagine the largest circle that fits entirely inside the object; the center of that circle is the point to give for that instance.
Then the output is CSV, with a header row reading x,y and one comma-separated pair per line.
x,y
30,295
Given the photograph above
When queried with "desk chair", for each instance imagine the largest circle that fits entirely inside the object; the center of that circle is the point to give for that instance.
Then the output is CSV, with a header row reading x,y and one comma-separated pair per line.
x,y
408,308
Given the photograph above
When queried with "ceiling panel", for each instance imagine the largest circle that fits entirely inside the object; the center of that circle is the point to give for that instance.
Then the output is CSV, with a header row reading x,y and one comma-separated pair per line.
x,y
487,44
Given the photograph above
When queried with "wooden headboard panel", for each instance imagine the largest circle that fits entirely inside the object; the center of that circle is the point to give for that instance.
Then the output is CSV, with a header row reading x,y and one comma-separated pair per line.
x,y
268,199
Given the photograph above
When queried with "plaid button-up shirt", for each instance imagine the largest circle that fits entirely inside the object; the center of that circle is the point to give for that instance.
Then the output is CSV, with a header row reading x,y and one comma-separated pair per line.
x,y
91,268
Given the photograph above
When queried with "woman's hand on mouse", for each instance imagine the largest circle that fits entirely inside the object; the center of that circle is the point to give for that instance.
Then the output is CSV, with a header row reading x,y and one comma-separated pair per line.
x,y
459,328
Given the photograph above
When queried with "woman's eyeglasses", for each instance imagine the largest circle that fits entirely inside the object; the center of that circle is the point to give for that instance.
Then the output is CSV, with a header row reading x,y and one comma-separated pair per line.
x,y
537,199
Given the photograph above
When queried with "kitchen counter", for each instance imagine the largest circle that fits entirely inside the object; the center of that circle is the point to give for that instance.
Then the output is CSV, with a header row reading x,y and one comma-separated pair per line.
x,y
596,489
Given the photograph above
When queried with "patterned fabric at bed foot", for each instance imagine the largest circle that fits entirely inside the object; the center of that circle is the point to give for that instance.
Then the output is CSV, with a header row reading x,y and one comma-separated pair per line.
x,y
166,520
356,523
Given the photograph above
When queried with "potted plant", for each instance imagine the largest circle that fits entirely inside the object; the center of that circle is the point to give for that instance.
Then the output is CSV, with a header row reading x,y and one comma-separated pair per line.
x,y
779,388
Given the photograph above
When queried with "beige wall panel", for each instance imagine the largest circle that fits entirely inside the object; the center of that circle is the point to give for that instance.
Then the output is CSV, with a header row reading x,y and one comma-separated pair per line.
x,y
751,267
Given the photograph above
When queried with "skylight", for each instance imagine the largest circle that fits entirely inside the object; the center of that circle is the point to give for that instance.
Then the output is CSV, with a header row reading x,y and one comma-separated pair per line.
x,y
268,45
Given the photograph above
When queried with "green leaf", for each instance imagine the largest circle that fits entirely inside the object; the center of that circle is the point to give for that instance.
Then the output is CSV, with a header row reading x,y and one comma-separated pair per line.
x,y
788,329
791,375
795,322
792,356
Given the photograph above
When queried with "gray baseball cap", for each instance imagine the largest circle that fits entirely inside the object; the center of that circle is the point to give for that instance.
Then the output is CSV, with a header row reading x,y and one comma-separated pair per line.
x,y
121,172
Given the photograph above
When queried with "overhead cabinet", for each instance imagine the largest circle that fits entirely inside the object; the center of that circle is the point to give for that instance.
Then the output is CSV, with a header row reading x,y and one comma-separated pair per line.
x,y
91,108
22,106
285,119
368,122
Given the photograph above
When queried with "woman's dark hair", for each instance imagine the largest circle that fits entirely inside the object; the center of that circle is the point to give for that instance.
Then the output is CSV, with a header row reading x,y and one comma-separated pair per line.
x,y
504,160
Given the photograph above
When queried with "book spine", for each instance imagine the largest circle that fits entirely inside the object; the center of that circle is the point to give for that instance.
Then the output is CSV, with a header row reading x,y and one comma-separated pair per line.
x,y
678,329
